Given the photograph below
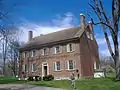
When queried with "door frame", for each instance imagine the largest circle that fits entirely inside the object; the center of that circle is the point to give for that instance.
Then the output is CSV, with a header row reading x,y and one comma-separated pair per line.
x,y
45,64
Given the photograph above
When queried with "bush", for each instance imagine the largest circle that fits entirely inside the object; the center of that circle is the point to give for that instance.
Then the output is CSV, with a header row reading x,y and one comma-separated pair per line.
x,y
30,78
48,78
36,78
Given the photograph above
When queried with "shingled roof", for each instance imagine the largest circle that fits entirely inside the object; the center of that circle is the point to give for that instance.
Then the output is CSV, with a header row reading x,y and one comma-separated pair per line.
x,y
54,37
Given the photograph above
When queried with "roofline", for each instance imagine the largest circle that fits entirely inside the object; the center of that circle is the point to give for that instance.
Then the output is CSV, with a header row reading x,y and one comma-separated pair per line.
x,y
48,44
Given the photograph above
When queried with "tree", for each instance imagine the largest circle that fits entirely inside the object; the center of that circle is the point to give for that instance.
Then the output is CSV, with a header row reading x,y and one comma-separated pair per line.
x,y
109,24
8,35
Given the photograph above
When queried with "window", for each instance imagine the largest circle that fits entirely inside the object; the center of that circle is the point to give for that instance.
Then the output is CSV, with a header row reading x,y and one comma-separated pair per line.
x,y
57,49
70,65
25,54
23,68
88,35
34,67
91,36
69,47
95,66
44,51
26,68
32,53
57,66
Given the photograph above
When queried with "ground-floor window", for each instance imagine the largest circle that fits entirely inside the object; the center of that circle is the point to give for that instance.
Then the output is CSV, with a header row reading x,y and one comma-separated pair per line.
x,y
57,66
71,66
34,67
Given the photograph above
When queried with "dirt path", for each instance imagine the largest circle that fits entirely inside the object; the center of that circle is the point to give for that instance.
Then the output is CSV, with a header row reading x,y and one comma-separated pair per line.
x,y
24,87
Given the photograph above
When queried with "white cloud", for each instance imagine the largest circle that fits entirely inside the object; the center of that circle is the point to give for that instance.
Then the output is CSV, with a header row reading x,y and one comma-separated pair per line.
x,y
105,52
102,41
60,23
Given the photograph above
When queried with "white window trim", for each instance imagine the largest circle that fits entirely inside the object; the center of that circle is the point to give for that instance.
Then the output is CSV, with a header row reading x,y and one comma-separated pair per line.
x,y
60,49
25,54
55,66
73,65
32,53
68,47
32,67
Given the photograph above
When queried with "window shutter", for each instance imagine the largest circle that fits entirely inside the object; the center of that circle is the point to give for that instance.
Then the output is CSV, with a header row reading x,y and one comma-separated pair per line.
x,y
54,66
60,49
32,67
23,68
68,48
73,46
42,52
74,64
53,50
66,65
61,65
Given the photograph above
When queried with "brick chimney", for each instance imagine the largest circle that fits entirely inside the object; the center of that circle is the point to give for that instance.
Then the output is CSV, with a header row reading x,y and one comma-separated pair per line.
x,y
30,35
82,19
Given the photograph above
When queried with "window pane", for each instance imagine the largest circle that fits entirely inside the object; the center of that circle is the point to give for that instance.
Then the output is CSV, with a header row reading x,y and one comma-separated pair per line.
x,y
70,47
70,64
57,49
34,67
44,51
58,65
34,53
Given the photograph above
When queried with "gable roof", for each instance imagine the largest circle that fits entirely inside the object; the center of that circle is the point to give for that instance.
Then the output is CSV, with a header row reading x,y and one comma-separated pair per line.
x,y
65,34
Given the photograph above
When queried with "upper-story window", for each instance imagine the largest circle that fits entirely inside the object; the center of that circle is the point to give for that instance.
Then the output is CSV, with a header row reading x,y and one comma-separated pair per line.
x,y
25,54
57,49
91,36
70,65
44,51
34,67
88,35
69,47
57,66
33,53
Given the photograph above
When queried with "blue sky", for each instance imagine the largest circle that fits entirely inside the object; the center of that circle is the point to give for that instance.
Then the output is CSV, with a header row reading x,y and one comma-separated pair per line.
x,y
45,16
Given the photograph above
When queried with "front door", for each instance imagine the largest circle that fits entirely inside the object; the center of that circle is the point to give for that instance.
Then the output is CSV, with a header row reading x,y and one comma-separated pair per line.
x,y
44,69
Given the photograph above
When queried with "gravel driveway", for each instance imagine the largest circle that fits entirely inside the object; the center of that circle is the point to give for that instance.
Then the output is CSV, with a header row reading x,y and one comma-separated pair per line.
x,y
24,87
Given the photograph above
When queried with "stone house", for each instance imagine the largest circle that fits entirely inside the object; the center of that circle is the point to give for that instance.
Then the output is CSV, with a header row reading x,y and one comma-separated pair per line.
x,y
61,53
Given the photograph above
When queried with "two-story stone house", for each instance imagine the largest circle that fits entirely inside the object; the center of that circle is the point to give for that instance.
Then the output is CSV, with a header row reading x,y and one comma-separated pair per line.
x,y
61,53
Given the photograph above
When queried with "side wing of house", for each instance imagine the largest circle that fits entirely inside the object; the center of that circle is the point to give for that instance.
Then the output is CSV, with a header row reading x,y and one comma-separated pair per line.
x,y
88,53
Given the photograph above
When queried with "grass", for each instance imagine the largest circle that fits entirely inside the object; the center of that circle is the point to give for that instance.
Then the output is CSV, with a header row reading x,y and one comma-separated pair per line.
x,y
9,80
87,84
84,84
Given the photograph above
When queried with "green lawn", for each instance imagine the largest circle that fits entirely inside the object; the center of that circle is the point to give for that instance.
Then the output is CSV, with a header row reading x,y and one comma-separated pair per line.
x,y
91,84
8,80
84,84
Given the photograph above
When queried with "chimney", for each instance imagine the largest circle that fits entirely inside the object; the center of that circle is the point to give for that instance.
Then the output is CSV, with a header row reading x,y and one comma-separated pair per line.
x,y
82,19
30,35
91,26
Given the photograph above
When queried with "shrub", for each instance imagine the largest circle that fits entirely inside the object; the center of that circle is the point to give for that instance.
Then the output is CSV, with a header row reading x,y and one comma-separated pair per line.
x,y
36,78
48,78
30,78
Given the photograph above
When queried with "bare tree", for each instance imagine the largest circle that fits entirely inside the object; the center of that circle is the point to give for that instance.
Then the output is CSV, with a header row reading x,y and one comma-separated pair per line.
x,y
109,24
